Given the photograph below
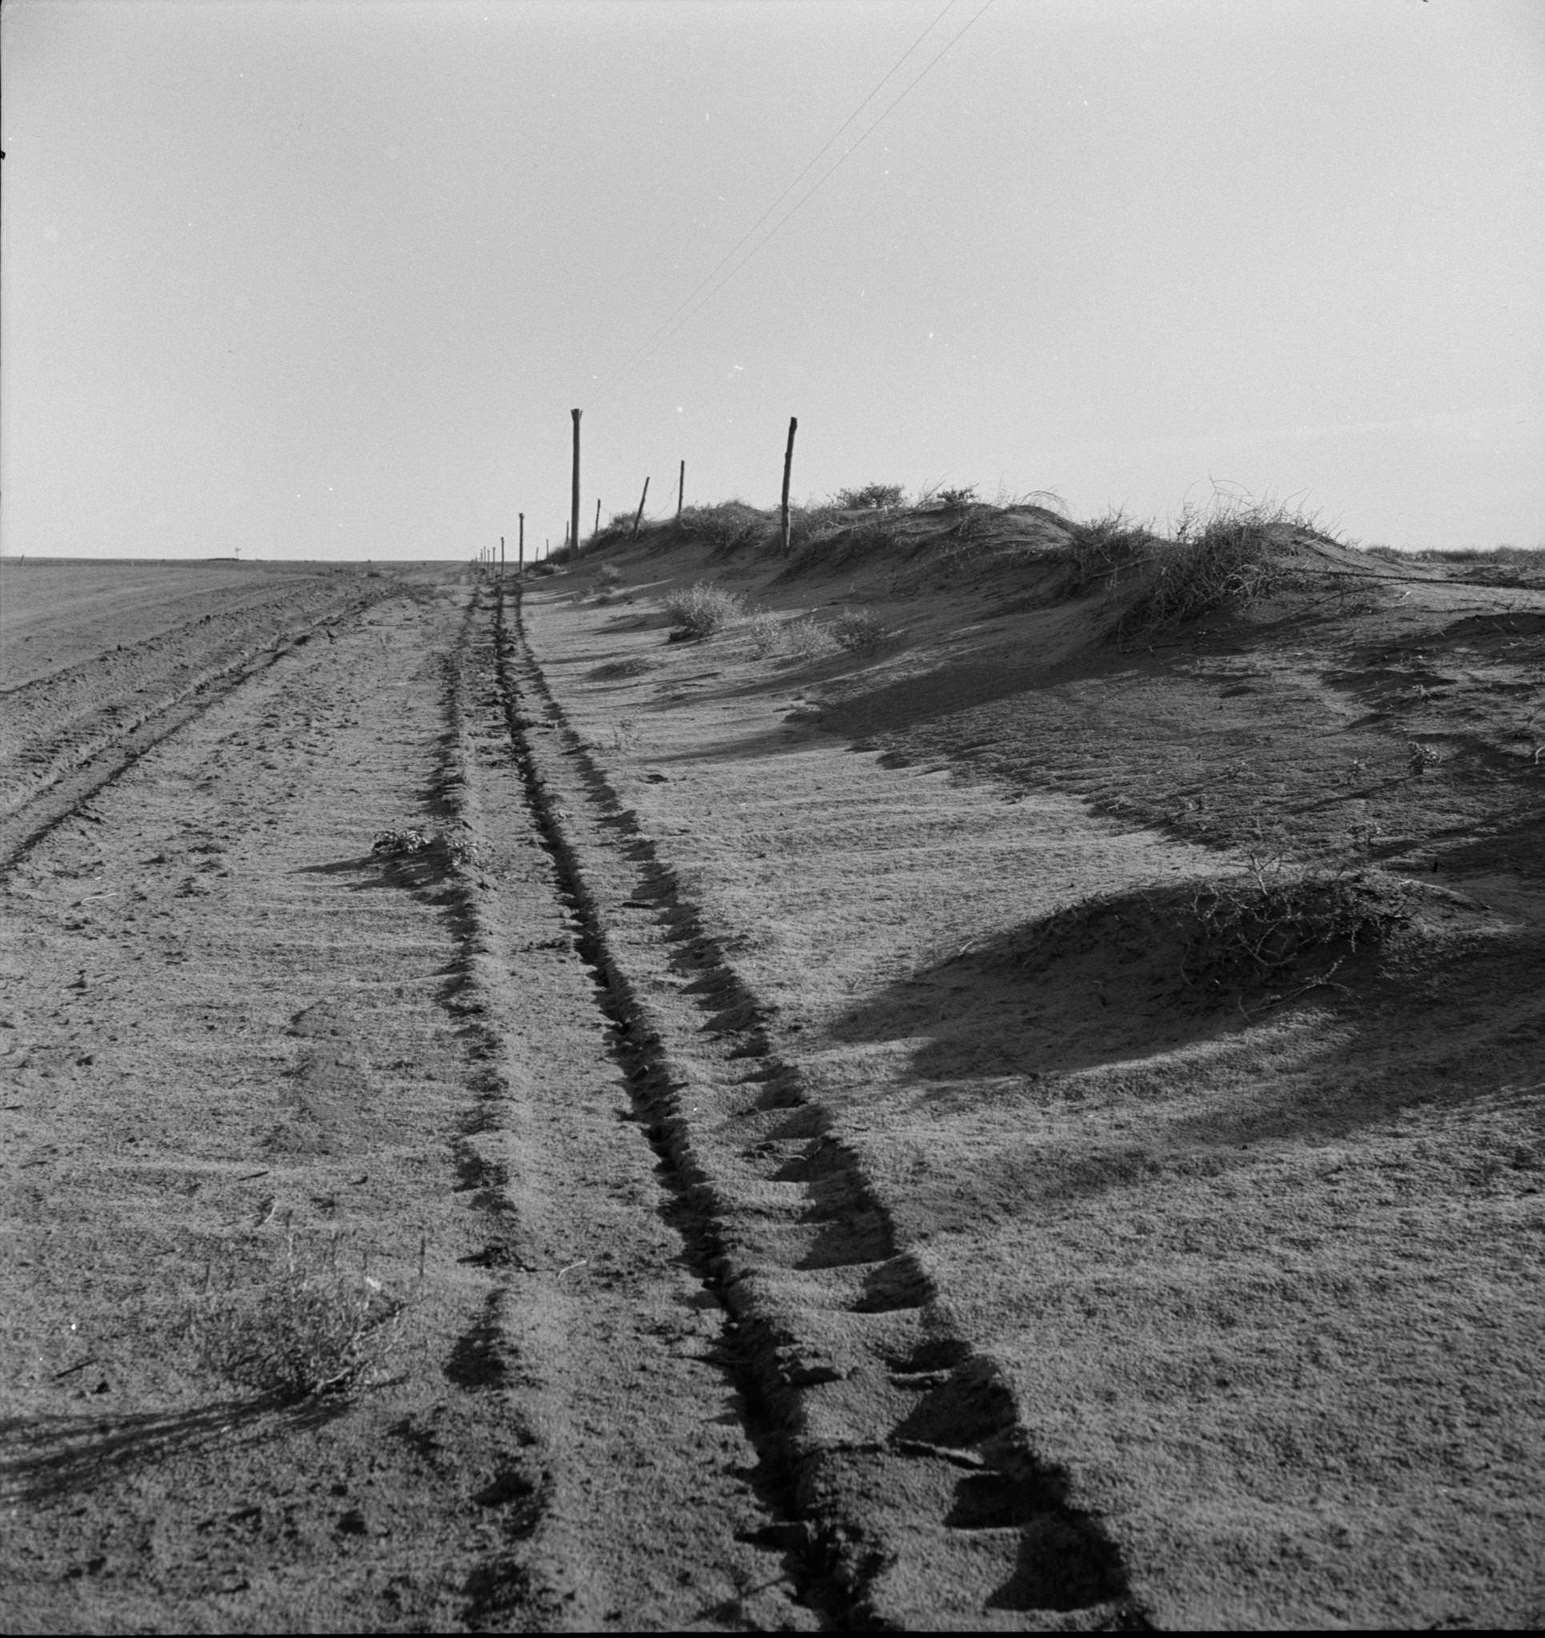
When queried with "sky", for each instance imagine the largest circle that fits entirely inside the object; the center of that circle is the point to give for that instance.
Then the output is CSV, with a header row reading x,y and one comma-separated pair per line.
x,y
325,278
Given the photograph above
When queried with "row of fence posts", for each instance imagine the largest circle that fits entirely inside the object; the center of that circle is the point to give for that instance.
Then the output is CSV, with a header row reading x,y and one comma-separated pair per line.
x,y
571,532
572,537
485,556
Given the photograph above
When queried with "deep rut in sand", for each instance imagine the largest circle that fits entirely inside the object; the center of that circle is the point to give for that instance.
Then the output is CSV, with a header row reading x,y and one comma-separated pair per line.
x,y
646,1500
918,1500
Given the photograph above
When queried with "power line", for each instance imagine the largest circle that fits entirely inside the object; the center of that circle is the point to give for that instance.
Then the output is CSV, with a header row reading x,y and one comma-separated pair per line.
x,y
663,329
711,284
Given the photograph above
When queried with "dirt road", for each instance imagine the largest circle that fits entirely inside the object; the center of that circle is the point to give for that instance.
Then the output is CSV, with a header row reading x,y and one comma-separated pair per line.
x,y
337,982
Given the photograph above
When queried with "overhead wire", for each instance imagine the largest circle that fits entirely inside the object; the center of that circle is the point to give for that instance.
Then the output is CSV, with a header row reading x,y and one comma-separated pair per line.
x,y
810,165
712,283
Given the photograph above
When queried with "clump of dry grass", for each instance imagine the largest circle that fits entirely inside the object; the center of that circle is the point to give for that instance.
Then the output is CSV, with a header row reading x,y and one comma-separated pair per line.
x,y
703,609
1099,552
807,639
306,1332
1221,560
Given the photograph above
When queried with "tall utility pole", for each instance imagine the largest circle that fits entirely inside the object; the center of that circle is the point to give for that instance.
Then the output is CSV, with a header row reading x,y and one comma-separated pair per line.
x,y
574,497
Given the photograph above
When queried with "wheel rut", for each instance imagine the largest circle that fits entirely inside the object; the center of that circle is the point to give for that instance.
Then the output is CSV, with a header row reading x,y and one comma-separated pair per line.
x,y
908,1485
645,1494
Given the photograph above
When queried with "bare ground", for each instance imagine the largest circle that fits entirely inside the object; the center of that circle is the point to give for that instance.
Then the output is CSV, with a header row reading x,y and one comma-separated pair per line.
x,y
791,1154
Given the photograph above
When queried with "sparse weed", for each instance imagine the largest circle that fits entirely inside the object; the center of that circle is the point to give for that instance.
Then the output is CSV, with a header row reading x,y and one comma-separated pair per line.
x,y
859,631
949,499
703,609
765,631
609,576
305,1333
802,638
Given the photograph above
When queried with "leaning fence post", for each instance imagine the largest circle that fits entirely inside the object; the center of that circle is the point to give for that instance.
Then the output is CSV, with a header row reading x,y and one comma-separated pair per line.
x,y
638,517
788,467
597,528
681,489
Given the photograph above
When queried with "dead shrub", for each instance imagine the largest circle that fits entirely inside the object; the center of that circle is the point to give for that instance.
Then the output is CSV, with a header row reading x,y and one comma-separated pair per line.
x,y
1274,924
433,845
306,1332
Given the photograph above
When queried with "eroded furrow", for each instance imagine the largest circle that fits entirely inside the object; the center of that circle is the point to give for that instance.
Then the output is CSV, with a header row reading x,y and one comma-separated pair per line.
x,y
902,1453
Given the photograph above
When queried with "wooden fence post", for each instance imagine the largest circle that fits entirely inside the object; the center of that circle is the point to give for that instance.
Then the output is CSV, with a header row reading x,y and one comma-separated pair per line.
x,y
501,557
597,528
574,497
520,568
788,467
681,489
638,517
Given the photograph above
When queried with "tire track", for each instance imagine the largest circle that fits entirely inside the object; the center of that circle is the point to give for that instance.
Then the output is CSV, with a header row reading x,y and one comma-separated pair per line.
x,y
646,1497
919,1497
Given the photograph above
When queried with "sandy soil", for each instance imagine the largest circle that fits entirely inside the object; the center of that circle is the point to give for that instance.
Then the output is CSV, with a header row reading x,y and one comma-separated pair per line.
x,y
759,1122
1260,1265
